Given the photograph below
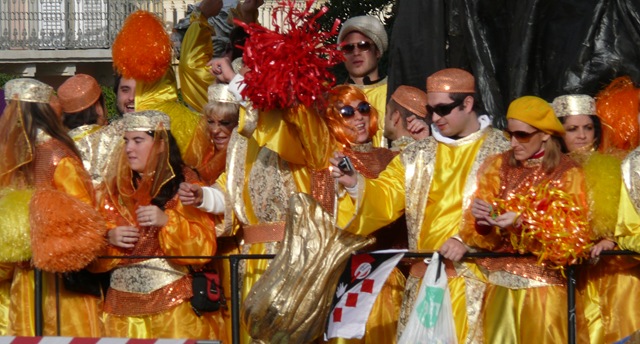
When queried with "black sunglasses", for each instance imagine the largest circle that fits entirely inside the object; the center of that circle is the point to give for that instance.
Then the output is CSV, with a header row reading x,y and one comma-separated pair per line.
x,y
520,136
443,109
362,46
348,110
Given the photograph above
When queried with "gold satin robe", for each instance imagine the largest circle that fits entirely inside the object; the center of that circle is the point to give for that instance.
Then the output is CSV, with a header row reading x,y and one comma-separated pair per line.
x,y
433,204
79,313
196,50
625,296
6,274
524,302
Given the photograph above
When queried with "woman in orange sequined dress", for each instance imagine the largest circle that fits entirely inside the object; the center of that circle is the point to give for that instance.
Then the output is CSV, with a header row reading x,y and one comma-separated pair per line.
x,y
530,199
149,297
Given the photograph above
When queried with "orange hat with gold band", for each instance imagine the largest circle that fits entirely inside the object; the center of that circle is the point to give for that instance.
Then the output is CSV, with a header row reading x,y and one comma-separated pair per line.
x,y
411,98
78,93
451,80
537,113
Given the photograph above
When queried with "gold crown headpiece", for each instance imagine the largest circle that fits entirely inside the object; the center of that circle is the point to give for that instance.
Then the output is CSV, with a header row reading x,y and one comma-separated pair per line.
x,y
28,90
221,93
574,104
148,120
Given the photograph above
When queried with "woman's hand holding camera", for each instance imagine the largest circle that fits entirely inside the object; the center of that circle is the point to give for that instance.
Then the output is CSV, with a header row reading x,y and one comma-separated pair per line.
x,y
342,170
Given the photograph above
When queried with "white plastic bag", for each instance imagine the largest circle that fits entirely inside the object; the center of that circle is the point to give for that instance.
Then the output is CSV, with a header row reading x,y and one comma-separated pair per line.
x,y
431,319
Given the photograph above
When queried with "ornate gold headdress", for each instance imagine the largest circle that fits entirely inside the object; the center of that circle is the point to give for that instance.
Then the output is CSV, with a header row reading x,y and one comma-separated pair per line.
x,y
28,90
149,120
221,93
573,105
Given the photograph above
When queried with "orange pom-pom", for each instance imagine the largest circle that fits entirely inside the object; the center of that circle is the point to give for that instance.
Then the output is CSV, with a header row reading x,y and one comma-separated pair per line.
x,y
617,106
554,228
66,233
142,49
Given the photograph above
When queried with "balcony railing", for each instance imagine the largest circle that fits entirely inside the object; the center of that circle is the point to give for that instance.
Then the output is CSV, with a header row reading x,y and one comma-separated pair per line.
x,y
66,24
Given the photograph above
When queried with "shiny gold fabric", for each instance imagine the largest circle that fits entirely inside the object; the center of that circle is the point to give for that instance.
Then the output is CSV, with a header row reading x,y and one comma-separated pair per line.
x,y
17,149
179,322
398,145
196,50
535,315
285,305
15,228
27,90
630,165
99,147
628,226
147,276
6,275
79,313
145,120
608,292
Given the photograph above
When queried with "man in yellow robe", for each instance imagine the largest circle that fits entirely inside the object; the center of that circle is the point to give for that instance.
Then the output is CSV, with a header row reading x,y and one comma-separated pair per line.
x,y
363,41
432,182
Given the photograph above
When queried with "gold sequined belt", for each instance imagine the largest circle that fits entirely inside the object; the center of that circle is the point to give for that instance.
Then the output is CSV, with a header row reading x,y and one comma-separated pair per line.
x,y
146,276
519,273
267,232
420,268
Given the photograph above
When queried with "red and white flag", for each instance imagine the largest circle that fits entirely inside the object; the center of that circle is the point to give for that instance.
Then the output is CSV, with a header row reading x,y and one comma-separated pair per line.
x,y
358,287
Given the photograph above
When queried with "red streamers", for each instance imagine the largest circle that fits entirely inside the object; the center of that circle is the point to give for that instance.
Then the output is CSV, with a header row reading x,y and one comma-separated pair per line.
x,y
553,228
289,66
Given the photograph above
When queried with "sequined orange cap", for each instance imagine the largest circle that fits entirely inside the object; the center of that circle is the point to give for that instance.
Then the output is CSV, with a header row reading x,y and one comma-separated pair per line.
x,y
78,93
411,98
451,80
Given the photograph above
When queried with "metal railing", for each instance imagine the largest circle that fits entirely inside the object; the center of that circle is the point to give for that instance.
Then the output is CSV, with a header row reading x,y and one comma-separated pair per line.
x,y
234,263
66,24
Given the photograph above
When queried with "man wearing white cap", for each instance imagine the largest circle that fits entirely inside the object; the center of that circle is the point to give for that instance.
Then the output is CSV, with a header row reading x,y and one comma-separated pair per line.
x,y
363,40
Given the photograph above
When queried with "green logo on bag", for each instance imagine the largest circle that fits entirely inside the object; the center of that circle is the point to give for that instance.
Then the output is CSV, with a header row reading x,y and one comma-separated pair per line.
x,y
429,306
